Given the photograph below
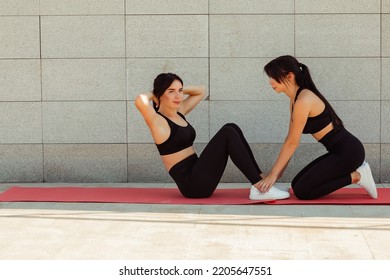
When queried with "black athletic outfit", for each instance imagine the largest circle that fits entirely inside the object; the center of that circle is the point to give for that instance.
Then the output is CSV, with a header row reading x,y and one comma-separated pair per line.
x,y
198,177
332,170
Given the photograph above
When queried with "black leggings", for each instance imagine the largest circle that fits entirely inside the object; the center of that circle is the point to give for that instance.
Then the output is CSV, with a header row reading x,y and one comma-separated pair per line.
x,y
198,177
331,171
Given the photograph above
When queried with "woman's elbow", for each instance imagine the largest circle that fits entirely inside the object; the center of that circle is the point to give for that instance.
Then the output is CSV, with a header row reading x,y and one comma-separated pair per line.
x,y
138,101
292,144
202,91
141,101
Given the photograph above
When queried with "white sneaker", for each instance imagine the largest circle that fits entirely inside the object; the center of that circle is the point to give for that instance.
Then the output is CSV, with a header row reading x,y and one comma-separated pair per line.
x,y
283,187
366,180
272,194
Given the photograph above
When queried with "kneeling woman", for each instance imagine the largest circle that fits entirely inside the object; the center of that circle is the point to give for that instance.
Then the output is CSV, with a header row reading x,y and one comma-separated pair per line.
x,y
311,113
196,177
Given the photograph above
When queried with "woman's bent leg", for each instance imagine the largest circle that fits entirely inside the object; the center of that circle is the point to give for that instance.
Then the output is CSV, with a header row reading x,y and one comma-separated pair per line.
x,y
320,178
331,171
207,172
246,144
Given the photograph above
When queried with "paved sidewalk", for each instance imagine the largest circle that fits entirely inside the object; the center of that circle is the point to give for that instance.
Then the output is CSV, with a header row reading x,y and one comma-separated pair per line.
x,y
103,231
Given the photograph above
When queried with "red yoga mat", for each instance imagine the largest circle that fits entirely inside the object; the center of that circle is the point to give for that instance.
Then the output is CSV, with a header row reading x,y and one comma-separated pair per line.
x,y
346,196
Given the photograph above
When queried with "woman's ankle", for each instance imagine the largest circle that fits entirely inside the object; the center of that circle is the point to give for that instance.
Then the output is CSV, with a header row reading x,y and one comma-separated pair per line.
x,y
355,177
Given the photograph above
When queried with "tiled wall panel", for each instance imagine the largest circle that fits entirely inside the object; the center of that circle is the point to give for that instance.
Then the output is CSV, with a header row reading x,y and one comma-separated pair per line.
x,y
82,36
334,35
19,37
167,36
20,80
83,79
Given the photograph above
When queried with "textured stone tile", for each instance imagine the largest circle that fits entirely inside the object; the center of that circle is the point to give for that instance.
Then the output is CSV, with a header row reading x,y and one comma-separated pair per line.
x,y
21,163
334,6
20,37
251,7
84,122
83,79
20,80
385,6
85,7
244,36
385,35
170,36
167,7
19,7
385,81
85,163
337,35
82,36
385,121
20,122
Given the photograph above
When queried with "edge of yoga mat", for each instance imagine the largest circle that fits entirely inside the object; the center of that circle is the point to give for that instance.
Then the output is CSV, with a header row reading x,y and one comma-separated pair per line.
x,y
345,196
120,195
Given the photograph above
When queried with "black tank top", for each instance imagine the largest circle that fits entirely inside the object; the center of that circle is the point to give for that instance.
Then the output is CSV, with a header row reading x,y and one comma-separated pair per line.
x,y
181,137
316,123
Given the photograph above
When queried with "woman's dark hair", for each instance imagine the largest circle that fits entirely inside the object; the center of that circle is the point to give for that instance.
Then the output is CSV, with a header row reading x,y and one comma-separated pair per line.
x,y
161,83
278,70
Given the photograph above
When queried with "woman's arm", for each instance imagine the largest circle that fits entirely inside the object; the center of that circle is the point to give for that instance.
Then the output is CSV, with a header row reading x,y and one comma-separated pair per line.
x,y
195,96
143,104
297,123
158,126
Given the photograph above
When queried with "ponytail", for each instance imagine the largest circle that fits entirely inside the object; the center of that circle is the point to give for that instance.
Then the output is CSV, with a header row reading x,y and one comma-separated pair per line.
x,y
307,82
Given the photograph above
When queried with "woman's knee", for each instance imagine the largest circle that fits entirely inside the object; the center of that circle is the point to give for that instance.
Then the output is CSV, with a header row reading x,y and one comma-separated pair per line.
x,y
225,132
234,126
300,192
230,129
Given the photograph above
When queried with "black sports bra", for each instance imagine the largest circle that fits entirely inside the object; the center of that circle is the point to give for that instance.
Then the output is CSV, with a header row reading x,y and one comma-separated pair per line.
x,y
316,123
181,137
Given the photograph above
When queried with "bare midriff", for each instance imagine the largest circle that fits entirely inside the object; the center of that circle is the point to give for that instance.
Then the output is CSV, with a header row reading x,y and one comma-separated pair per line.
x,y
170,160
318,135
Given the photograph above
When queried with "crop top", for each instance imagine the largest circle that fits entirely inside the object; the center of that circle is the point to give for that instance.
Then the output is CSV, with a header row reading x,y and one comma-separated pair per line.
x,y
316,123
181,137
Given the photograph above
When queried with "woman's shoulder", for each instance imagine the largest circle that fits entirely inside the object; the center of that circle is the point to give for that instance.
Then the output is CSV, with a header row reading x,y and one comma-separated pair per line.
x,y
307,96
306,93
304,96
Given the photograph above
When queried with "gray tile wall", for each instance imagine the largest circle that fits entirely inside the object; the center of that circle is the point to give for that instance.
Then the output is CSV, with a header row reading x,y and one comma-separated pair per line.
x,y
70,70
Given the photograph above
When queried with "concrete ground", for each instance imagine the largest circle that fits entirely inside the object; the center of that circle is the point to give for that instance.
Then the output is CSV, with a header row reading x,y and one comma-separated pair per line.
x,y
104,231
